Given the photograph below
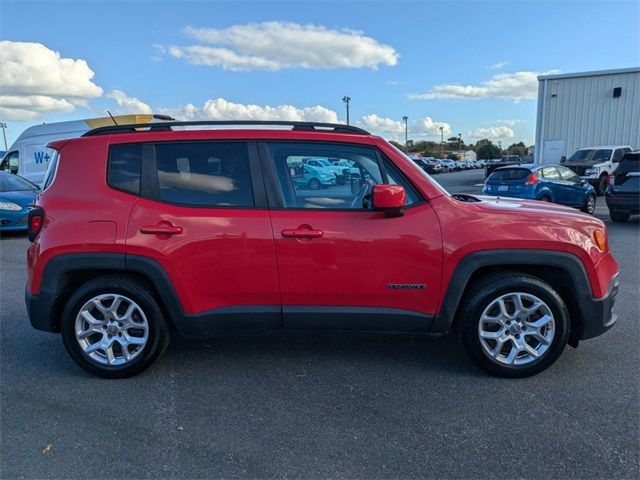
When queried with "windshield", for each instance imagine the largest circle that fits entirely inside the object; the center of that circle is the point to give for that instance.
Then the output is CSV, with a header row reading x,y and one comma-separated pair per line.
x,y
13,183
581,155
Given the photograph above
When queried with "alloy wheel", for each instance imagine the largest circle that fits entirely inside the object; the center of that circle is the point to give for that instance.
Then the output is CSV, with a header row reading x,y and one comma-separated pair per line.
x,y
516,329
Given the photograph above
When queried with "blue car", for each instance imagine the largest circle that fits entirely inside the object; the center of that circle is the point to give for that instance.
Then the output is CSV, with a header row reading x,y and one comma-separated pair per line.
x,y
16,194
549,183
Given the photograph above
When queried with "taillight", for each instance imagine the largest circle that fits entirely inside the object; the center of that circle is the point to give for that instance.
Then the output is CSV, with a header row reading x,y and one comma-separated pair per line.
x,y
532,179
612,179
35,221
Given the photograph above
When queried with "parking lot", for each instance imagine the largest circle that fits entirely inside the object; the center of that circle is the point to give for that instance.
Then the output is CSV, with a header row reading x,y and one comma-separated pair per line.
x,y
318,406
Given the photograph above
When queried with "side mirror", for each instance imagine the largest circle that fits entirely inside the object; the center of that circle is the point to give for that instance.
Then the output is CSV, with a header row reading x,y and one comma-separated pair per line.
x,y
389,199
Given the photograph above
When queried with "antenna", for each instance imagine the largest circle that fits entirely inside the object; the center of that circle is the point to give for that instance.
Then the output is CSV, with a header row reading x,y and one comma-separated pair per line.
x,y
114,120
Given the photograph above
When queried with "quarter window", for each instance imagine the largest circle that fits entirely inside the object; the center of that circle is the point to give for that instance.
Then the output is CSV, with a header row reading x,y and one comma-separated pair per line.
x,y
123,172
327,176
204,174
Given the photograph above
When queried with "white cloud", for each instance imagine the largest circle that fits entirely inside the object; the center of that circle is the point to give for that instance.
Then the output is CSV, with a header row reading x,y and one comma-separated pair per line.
x,y
498,65
491,133
419,128
281,45
221,109
511,123
35,79
511,86
128,104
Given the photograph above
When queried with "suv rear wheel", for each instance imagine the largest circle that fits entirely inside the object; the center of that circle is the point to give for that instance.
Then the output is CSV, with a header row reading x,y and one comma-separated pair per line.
x,y
513,325
618,216
113,327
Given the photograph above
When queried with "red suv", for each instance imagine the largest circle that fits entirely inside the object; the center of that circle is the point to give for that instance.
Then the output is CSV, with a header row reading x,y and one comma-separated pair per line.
x,y
142,231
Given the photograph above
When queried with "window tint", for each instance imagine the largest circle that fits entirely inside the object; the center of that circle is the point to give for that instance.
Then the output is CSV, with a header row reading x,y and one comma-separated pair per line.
x,y
10,162
550,173
618,154
204,173
568,175
510,174
123,172
630,163
315,175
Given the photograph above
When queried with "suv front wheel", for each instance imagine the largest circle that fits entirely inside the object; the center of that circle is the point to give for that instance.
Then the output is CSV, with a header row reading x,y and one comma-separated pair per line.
x,y
113,327
513,325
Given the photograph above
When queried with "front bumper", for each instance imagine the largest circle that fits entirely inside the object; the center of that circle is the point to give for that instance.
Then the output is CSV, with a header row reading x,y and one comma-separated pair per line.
x,y
13,221
597,314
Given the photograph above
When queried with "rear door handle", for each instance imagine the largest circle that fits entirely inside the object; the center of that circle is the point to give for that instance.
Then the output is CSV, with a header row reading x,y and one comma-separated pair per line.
x,y
163,228
302,233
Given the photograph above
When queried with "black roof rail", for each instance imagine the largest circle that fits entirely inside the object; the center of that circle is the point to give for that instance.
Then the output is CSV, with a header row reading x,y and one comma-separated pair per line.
x,y
165,126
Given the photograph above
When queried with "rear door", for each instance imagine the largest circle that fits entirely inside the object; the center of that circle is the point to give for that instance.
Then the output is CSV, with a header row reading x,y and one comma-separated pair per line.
x,y
342,265
202,217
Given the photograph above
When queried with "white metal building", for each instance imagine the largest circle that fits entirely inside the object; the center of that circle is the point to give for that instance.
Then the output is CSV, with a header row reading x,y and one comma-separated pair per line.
x,y
587,109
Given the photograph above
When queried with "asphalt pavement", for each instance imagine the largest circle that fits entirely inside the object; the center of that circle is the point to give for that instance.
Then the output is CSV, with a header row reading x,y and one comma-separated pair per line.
x,y
319,406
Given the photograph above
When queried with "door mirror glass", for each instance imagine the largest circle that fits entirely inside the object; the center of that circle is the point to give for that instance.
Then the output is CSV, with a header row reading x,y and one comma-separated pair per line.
x,y
389,199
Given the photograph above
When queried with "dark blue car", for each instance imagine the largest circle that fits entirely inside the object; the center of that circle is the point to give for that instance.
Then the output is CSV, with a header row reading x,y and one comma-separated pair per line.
x,y
549,183
16,194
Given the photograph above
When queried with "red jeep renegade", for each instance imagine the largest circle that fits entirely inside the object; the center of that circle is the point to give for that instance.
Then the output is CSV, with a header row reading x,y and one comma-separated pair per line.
x,y
140,231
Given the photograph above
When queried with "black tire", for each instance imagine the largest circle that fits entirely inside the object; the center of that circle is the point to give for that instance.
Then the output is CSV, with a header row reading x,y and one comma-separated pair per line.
x,y
545,198
158,335
589,205
314,184
601,186
482,293
619,217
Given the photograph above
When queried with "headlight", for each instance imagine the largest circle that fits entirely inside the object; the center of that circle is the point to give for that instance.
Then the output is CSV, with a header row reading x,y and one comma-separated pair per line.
x,y
10,206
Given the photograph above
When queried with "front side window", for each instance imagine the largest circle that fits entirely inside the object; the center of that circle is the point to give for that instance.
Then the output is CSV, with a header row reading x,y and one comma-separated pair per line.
x,y
550,173
11,162
568,175
328,176
601,156
204,173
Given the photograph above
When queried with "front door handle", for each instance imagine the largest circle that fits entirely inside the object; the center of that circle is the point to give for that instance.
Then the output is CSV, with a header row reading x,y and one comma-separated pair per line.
x,y
302,233
162,228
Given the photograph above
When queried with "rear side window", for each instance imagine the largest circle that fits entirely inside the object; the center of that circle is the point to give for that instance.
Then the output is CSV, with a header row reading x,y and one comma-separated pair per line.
x,y
510,174
123,170
204,174
630,163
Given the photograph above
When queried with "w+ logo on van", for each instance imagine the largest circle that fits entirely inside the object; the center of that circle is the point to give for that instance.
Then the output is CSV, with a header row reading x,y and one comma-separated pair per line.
x,y
40,156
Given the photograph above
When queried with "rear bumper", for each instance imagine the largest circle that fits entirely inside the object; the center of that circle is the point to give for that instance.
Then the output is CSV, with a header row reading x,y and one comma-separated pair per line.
x,y
623,203
40,310
597,314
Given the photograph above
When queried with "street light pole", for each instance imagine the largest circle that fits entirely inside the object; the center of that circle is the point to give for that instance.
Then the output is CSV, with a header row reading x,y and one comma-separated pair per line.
x,y
406,136
441,142
4,135
346,101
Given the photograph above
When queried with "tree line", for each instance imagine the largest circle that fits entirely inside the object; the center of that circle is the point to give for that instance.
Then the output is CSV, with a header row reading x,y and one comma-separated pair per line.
x,y
485,149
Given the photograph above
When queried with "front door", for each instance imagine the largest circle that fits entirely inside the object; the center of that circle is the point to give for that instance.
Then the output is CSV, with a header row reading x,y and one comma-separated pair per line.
x,y
341,264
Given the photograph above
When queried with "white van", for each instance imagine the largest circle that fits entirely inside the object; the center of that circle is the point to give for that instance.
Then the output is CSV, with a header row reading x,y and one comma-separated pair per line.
x,y
28,156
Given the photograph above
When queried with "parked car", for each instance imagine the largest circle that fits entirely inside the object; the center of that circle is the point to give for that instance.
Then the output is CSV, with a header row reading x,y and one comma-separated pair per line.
x,y
594,164
623,193
28,155
353,172
202,232
426,166
16,195
504,161
315,178
341,174
448,165
548,183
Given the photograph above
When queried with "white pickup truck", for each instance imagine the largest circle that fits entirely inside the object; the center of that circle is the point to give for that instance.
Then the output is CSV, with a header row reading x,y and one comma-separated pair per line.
x,y
594,164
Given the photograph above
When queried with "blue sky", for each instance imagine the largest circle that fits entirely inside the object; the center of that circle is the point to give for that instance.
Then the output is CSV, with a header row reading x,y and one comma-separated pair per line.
x,y
408,49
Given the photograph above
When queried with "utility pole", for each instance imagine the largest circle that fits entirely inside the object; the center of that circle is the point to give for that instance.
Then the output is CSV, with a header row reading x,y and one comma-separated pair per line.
x,y
460,146
4,135
406,135
346,101
441,142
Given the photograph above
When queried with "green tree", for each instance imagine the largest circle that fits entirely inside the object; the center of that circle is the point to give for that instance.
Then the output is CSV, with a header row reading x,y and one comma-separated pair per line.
x,y
517,149
486,150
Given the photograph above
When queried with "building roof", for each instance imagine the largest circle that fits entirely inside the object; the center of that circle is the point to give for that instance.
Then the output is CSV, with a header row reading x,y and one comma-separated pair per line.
x,y
595,73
